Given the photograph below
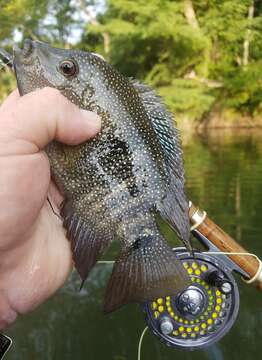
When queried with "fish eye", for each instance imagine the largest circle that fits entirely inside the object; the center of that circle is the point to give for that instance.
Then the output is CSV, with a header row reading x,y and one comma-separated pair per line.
x,y
68,68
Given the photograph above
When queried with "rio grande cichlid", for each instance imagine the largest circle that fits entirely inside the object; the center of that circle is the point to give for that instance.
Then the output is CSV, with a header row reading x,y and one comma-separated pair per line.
x,y
115,185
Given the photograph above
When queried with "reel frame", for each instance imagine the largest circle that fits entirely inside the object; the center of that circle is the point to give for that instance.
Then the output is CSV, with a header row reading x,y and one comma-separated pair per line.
x,y
203,313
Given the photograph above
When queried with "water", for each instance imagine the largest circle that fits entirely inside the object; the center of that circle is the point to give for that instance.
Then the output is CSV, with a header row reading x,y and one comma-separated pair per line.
x,y
224,176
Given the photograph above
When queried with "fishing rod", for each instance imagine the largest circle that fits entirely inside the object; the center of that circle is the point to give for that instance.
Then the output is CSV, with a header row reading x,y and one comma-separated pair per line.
x,y
249,263
206,310
6,58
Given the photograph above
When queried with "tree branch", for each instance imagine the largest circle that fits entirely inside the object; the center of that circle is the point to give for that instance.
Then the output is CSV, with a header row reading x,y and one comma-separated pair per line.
x,y
92,19
190,14
247,38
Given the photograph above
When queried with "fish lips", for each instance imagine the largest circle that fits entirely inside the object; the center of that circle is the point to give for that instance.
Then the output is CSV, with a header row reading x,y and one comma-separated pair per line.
x,y
24,56
26,50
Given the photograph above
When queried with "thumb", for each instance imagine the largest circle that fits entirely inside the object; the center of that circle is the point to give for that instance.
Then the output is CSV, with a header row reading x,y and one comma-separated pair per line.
x,y
37,118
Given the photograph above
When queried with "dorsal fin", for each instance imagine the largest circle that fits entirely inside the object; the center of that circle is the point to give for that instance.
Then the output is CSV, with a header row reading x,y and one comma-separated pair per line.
x,y
174,208
163,124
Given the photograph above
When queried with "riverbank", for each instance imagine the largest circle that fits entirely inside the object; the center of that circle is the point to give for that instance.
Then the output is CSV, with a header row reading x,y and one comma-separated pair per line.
x,y
221,135
219,120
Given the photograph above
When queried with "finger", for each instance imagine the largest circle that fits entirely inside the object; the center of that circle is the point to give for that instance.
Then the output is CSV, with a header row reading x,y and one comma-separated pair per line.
x,y
7,314
14,96
44,115
55,196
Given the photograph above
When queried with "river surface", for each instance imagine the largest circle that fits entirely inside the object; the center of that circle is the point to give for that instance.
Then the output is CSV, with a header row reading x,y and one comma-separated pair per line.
x,y
224,176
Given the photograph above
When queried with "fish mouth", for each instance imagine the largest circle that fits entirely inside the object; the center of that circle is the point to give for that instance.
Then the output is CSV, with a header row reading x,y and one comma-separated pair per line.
x,y
24,54
19,55
22,57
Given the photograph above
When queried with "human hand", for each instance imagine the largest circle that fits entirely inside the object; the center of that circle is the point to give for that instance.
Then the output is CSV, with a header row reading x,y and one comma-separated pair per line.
x,y
35,256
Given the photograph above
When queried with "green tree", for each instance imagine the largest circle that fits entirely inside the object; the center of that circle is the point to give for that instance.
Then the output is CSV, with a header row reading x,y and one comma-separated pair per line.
x,y
46,20
192,51
201,55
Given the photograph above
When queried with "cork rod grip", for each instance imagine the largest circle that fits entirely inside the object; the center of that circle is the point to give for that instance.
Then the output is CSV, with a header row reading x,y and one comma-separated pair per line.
x,y
224,242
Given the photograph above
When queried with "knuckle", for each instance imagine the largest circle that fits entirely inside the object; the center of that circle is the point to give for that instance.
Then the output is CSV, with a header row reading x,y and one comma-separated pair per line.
x,y
61,102
54,99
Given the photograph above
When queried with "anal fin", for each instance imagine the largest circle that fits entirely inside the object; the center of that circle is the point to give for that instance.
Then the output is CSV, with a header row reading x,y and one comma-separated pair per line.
x,y
144,271
88,242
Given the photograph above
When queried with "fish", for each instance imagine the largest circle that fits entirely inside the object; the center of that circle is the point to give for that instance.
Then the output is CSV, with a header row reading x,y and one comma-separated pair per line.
x,y
116,185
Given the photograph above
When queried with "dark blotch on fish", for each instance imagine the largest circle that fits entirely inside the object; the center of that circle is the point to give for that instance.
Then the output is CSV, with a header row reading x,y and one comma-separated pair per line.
x,y
115,184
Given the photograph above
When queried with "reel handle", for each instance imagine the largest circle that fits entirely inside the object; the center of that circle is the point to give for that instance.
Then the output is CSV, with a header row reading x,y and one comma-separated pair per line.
x,y
202,223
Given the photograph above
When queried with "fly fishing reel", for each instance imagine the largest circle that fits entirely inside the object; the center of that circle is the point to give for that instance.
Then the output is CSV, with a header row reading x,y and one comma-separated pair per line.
x,y
205,311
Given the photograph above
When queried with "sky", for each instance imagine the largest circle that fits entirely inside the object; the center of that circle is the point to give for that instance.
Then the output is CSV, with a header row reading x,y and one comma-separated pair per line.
x,y
81,20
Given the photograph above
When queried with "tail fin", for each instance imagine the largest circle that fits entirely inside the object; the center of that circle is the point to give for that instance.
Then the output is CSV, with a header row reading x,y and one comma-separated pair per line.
x,y
143,271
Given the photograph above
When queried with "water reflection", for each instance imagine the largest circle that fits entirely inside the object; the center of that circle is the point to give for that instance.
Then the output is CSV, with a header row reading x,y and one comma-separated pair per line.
x,y
224,176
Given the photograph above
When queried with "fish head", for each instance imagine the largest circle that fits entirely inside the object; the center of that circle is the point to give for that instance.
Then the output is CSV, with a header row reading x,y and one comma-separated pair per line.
x,y
38,65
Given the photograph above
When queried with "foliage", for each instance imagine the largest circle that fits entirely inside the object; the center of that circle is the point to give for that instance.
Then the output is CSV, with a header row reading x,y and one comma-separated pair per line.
x,y
22,15
183,95
17,15
47,20
196,53
195,65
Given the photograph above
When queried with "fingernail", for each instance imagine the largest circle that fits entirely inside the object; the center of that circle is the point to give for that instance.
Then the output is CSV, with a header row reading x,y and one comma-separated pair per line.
x,y
92,120
91,116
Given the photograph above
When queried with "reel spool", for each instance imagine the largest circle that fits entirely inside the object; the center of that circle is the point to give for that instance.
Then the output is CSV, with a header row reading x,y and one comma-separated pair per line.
x,y
202,313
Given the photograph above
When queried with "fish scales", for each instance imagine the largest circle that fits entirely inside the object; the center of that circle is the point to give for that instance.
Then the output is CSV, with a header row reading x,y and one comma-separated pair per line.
x,y
115,184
